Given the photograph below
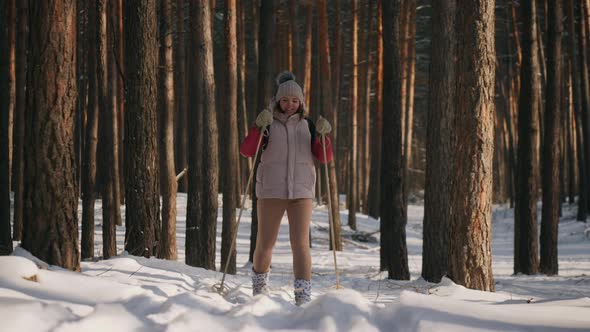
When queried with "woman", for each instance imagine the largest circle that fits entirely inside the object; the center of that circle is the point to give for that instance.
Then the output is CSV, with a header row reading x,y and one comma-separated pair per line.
x,y
285,181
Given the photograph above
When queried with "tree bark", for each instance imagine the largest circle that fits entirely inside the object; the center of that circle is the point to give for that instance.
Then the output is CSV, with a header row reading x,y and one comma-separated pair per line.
x,y
119,50
230,146
577,101
552,152
19,131
265,79
470,259
90,141
181,95
393,209
142,232
115,107
439,143
375,180
329,113
526,245
105,122
410,79
202,232
168,184
51,200
7,89
585,87
353,168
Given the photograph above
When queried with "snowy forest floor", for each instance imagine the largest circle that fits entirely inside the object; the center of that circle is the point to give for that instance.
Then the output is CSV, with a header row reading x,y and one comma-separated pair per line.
x,y
128,293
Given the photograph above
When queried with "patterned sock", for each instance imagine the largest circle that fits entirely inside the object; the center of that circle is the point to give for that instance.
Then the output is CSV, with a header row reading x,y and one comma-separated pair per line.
x,y
302,291
260,282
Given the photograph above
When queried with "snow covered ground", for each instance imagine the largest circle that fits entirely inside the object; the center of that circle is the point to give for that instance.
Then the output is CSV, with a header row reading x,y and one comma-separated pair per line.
x,y
129,293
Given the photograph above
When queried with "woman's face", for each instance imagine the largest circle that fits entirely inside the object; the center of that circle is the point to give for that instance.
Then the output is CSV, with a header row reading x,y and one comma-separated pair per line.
x,y
289,104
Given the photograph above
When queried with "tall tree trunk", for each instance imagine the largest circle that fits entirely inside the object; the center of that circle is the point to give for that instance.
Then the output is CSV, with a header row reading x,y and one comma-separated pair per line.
x,y
551,152
526,245
113,100
90,140
168,184
577,101
105,110
410,69
439,143
245,164
7,89
571,135
307,49
330,113
19,131
230,146
393,209
375,174
470,259
585,87
51,218
181,95
336,65
202,232
142,232
293,38
368,113
353,168
266,69
119,52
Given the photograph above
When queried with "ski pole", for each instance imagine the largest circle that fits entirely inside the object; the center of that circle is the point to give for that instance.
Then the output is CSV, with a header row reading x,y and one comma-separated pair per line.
x,y
219,288
330,212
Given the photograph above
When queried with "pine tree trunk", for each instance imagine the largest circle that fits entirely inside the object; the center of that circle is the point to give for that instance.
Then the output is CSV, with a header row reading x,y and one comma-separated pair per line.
x,y
230,137
19,126
168,184
119,52
571,137
375,179
142,233
526,245
265,82
90,141
293,38
51,219
81,86
113,100
7,89
307,50
439,143
470,259
105,119
353,143
577,101
181,95
245,164
585,86
368,113
551,152
330,113
393,209
410,79
336,64
204,220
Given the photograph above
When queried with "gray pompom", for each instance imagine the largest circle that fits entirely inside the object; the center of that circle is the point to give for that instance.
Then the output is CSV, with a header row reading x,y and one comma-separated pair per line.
x,y
285,76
